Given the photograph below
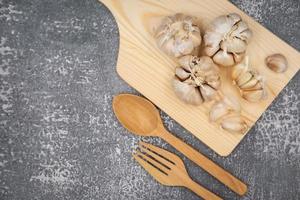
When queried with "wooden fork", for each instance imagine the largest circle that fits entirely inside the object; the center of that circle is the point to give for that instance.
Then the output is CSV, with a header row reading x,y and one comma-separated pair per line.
x,y
168,169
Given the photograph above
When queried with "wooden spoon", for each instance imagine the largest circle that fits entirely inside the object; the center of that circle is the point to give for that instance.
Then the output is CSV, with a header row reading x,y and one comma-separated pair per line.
x,y
140,116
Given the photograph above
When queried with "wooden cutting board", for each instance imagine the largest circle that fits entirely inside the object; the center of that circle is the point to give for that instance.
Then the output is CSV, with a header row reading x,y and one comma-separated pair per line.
x,y
143,66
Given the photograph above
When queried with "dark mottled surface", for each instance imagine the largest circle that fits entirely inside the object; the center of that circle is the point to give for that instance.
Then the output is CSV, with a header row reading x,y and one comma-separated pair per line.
x,y
60,140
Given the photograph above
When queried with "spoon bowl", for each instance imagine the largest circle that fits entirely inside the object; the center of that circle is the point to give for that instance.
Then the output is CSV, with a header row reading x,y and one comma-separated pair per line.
x,y
136,114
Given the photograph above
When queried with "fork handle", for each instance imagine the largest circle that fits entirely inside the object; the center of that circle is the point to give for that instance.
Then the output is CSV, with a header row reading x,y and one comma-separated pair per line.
x,y
200,190
205,163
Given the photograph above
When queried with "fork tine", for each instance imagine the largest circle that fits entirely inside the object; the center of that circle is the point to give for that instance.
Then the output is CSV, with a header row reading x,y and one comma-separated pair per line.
x,y
163,161
153,171
152,162
168,156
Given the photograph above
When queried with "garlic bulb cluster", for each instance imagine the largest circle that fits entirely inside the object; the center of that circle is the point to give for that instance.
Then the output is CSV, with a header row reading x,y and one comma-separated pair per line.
x,y
250,83
277,63
227,112
196,80
226,39
178,35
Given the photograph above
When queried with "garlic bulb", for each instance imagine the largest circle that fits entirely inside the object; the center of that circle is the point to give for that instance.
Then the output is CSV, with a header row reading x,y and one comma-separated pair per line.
x,y
226,39
223,108
178,35
234,124
277,63
196,80
250,83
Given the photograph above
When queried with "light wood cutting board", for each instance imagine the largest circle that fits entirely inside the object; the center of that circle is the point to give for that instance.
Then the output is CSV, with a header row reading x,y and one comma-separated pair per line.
x,y
143,66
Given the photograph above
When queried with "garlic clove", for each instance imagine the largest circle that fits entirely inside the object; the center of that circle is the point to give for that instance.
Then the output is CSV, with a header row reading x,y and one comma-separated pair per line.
x,y
212,41
238,70
211,50
240,27
234,17
246,35
196,37
185,62
181,73
207,92
187,93
277,63
250,84
215,84
232,103
258,86
222,24
223,58
235,45
238,57
254,95
234,124
205,63
244,78
166,44
183,47
217,111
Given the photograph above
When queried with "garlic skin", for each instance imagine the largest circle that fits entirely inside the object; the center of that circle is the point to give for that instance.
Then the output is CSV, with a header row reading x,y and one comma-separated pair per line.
x,y
227,113
223,108
277,63
250,83
226,39
235,124
196,80
178,35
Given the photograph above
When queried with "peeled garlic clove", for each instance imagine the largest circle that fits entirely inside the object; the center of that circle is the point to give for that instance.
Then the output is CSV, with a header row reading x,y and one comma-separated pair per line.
x,y
250,84
207,92
254,95
187,93
244,78
234,124
181,73
277,63
217,111
223,58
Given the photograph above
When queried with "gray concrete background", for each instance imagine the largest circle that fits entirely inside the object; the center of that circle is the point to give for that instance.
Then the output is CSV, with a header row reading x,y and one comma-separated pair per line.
x,y
59,138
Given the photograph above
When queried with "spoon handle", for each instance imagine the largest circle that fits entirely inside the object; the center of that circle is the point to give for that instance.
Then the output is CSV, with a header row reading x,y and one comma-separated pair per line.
x,y
205,163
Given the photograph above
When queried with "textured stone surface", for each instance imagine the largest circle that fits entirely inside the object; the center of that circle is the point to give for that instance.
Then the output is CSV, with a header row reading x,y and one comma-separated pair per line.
x,y
59,138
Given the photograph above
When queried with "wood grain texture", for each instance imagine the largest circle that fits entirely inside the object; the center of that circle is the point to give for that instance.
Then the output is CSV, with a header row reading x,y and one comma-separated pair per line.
x,y
143,66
